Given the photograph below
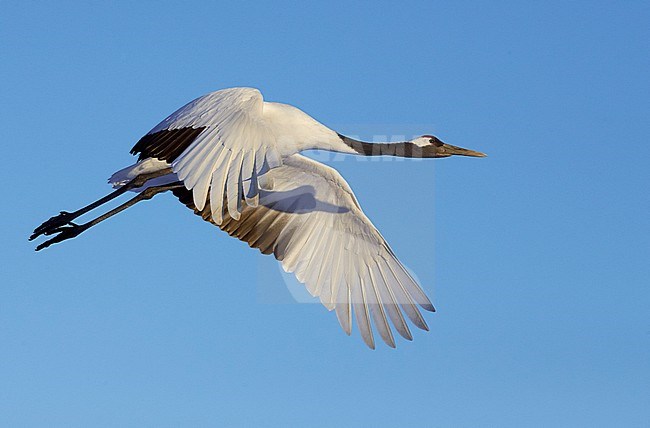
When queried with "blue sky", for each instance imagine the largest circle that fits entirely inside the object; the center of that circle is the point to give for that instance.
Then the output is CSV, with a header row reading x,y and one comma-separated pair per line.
x,y
535,257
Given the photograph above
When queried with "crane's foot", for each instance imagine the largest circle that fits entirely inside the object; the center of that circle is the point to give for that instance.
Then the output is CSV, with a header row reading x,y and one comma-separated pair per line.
x,y
64,232
50,226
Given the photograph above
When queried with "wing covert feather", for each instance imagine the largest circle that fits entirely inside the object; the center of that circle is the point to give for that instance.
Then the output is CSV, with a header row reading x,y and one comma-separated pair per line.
x,y
226,124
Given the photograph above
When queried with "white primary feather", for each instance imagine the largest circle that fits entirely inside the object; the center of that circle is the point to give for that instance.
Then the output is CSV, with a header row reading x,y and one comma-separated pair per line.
x,y
311,221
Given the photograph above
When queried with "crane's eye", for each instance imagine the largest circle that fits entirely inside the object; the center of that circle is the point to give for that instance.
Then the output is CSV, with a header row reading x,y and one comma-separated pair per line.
x,y
436,142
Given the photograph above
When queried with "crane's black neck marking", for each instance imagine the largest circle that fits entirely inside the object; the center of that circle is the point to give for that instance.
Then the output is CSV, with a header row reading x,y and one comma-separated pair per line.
x,y
403,149
167,144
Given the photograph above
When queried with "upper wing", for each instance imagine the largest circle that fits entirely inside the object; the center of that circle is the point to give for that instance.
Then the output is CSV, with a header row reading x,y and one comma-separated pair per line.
x,y
310,220
218,142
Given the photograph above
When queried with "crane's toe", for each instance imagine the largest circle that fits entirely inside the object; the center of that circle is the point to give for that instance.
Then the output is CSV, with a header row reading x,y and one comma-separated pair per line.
x,y
63,233
49,226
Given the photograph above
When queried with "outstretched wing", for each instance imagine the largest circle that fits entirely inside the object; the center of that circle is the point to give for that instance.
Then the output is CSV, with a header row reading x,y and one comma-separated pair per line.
x,y
309,219
218,143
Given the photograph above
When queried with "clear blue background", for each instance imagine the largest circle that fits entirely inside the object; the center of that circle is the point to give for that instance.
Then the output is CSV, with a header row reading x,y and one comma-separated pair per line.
x,y
536,257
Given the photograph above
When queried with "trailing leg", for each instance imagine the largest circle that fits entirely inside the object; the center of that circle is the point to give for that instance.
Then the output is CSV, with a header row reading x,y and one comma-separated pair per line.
x,y
65,217
70,230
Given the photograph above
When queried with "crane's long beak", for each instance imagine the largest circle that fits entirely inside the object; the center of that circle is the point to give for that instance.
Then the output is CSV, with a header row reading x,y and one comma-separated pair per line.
x,y
450,150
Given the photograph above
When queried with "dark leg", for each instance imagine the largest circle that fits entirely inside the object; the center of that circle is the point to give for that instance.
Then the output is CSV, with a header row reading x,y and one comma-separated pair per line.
x,y
70,230
66,217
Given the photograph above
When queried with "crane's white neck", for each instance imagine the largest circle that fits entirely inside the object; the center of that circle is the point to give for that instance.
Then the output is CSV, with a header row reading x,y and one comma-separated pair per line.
x,y
296,131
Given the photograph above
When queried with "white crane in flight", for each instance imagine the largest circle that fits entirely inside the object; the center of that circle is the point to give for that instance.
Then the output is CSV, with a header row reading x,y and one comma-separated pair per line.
x,y
234,159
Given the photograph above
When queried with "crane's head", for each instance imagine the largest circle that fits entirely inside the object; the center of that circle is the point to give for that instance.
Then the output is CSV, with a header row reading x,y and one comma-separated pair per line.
x,y
432,147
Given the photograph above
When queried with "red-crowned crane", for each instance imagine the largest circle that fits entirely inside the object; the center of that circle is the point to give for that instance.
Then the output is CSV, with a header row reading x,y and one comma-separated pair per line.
x,y
234,159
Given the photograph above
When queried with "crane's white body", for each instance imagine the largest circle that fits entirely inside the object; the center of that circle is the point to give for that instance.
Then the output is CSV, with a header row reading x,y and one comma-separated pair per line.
x,y
245,168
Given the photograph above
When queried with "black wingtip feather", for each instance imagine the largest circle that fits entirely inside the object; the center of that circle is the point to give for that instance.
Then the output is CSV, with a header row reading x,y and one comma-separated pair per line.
x,y
167,144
